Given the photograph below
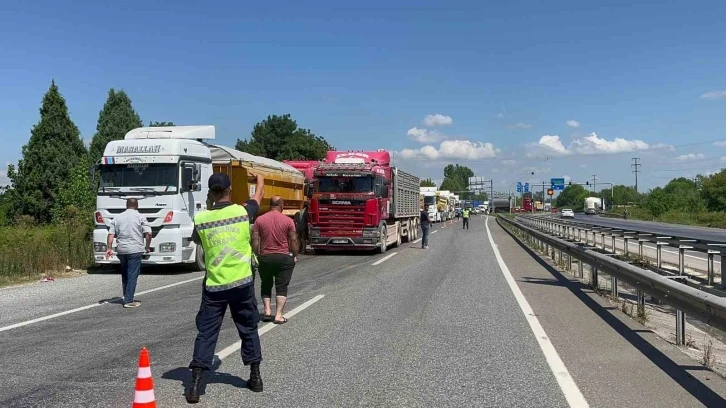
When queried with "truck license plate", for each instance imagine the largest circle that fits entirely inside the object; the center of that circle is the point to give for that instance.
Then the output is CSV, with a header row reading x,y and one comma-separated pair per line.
x,y
340,241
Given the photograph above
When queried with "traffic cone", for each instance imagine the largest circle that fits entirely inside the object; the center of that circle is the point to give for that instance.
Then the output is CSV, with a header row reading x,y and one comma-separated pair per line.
x,y
144,395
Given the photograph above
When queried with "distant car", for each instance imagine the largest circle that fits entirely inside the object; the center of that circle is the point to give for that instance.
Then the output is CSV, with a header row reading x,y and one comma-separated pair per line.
x,y
567,213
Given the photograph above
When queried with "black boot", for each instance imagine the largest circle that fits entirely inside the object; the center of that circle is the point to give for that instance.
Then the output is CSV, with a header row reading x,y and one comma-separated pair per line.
x,y
255,382
196,386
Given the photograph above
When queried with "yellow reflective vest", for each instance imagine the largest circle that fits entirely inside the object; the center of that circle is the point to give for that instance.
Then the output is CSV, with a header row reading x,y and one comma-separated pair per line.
x,y
465,214
225,236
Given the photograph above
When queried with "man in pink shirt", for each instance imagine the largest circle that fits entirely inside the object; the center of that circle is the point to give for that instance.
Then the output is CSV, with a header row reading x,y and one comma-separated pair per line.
x,y
274,241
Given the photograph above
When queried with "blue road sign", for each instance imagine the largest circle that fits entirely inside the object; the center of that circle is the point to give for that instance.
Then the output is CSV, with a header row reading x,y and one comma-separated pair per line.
x,y
526,187
519,186
558,183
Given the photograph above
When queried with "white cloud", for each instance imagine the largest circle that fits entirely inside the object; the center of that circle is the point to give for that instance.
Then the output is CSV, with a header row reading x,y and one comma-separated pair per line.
x,y
520,125
714,95
723,159
509,162
552,143
689,156
573,123
591,144
437,120
425,135
453,149
720,144
583,166
4,180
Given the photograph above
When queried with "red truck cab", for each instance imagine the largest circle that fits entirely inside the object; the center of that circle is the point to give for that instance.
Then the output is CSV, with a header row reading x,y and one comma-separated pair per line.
x,y
361,202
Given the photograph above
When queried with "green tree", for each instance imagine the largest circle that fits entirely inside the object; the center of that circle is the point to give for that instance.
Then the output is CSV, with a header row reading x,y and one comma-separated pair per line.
x,y
115,119
460,176
76,199
622,195
572,196
684,195
55,146
659,202
279,138
450,184
713,191
427,183
160,124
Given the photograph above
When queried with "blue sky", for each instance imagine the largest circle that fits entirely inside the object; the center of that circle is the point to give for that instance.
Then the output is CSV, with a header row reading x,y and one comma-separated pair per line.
x,y
642,80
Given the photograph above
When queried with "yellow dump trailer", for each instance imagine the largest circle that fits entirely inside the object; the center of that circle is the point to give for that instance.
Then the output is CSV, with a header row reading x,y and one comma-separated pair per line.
x,y
280,178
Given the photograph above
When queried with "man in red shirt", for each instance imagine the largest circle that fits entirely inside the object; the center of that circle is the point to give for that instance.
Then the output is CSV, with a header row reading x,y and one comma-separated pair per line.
x,y
274,241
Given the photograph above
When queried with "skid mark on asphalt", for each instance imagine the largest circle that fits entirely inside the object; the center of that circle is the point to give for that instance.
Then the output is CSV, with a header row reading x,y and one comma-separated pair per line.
x,y
227,351
82,308
564,379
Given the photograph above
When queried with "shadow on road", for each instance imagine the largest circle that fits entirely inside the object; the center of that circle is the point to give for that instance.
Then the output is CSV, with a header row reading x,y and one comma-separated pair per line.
x,y
677,372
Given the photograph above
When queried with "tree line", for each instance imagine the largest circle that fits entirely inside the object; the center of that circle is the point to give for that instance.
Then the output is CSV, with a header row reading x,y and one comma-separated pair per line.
x,y
456,179
51,181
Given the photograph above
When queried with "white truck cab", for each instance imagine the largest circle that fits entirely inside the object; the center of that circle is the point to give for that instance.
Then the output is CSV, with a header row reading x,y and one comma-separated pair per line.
x,y
162,167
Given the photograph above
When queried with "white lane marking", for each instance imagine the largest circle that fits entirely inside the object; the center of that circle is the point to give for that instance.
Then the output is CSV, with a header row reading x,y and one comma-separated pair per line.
x,y
416,241
269,326
434,232
82,308
564,379
380,261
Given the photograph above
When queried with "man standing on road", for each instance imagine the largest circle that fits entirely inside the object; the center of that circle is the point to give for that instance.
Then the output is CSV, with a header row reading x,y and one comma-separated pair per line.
x,y
274,241
465,217
223,231
425,227
133,239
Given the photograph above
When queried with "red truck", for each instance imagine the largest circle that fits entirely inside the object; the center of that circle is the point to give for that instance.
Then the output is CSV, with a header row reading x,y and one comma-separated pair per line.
x,y
527,204
361,202
302,218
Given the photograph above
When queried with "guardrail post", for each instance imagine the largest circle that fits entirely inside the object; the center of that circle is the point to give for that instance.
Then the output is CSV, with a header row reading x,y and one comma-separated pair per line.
x,y
612,243
580,268
659,253
680,328
682,259
719,249
626,240
569,262
641,240
614,286
594,280
641,303
711,253
602,239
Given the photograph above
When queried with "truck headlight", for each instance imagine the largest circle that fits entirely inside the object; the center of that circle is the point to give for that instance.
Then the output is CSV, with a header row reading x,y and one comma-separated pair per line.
x,y
314,233
99,247
167,247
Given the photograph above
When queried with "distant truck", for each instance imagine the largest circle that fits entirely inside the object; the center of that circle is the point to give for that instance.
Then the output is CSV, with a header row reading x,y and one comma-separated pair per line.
x,y
527,204
166,169
361,202
592,205
428,194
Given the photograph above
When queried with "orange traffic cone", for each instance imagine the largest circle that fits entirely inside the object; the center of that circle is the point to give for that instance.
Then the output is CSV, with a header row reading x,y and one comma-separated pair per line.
x,y
144,396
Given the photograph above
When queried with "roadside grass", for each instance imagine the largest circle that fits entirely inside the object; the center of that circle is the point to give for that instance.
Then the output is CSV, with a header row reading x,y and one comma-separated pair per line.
x,y
28,253
700,219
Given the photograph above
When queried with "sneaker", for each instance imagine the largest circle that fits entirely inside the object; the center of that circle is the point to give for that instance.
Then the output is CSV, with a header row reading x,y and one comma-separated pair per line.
x,y
132,304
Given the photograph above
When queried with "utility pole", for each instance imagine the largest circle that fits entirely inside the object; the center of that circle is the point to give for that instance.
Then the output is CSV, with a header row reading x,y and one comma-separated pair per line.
x,y
635,166
594,181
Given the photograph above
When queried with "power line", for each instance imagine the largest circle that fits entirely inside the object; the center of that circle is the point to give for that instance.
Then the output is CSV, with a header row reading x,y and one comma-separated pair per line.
x,y
635,166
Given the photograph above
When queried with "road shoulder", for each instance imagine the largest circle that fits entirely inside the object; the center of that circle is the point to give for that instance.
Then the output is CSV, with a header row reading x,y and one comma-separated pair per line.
x,y
613,359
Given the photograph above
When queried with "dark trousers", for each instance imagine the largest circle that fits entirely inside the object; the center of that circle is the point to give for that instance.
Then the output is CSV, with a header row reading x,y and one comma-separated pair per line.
x,y
275,270
130,269
425,240
466,223
243,305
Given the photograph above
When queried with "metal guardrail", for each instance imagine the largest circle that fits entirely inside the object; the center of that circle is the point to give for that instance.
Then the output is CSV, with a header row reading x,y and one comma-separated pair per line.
x,y
574,229
705,306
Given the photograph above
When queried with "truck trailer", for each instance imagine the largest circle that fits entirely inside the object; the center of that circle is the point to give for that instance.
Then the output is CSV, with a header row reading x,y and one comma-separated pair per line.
x,y
166,169
362,202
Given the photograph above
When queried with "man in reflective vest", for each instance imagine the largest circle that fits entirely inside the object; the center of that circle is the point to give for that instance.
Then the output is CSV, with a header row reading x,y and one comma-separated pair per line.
x,y
224,233
465,217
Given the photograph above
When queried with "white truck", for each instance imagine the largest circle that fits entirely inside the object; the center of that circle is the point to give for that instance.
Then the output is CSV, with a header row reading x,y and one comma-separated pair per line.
x,y
166,169
444,205
429,201
592,205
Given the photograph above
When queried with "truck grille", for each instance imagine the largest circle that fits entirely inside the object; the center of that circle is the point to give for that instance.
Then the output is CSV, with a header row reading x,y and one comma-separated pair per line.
x,y
341,220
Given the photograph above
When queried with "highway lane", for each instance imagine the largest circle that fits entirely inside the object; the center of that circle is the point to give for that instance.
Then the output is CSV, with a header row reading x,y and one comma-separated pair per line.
x,y
437,327
704,233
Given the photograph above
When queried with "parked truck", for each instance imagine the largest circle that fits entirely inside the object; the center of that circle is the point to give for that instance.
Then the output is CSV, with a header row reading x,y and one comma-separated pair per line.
x,y
428,195
166,169
444,205
592,205
362,202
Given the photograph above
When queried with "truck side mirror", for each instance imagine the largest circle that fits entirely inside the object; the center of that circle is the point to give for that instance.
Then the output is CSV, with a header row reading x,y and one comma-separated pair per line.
x,y
92,177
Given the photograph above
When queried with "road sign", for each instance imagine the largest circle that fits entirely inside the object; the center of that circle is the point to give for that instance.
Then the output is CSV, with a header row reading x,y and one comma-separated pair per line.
x,y
526,187
550,192
519,186
558,183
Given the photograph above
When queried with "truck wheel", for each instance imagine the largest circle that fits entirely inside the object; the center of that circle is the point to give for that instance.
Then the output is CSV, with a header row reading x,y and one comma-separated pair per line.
x,y
399,238
415,230
383,240
199,258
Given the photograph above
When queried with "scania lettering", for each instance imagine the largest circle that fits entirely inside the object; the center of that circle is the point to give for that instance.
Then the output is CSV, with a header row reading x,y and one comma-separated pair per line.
x,y
361,202
166,169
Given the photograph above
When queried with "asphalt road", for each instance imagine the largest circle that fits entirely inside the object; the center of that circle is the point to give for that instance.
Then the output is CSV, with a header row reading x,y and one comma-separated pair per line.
x,y
437,327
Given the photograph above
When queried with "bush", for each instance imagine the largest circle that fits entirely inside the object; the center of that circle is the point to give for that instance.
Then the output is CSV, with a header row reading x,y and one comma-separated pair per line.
x,y
28,251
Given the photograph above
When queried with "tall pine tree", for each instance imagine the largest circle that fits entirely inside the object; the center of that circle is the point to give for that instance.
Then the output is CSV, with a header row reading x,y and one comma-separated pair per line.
x,y
115,119
55,146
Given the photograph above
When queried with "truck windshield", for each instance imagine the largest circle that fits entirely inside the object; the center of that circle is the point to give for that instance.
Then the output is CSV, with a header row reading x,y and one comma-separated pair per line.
x,y
345,184
429,200
158,178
